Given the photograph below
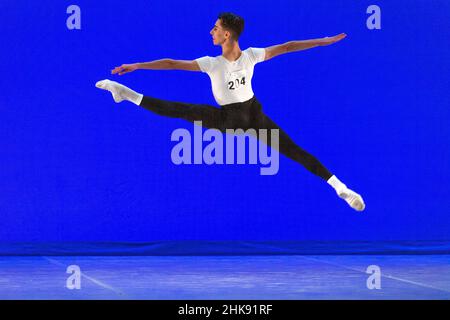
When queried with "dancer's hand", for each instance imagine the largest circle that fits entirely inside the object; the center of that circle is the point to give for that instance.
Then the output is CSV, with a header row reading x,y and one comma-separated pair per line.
x,y
125,68
330,40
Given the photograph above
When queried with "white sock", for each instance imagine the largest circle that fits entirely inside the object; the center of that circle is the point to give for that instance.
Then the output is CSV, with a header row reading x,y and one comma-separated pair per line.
x,y
336,184
119,91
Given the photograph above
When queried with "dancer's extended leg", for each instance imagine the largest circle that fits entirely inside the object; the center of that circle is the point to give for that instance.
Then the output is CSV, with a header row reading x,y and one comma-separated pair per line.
x,y
210,116
290,149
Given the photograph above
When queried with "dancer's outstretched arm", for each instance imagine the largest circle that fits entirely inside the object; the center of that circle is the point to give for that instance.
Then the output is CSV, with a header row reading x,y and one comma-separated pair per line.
x,y
162,64
293,46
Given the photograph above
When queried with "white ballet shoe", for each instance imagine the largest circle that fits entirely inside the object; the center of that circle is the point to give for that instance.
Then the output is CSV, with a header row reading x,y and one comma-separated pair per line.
x,y
353,199
114,87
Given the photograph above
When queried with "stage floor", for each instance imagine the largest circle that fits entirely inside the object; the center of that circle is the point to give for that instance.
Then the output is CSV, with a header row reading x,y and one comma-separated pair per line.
x,y
226,277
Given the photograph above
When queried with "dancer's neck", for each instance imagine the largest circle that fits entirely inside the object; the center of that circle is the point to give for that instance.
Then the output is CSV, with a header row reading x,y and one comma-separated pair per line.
x,y
231,51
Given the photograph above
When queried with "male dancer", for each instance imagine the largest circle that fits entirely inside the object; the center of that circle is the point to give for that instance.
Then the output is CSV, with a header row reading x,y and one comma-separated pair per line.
x,y
231,74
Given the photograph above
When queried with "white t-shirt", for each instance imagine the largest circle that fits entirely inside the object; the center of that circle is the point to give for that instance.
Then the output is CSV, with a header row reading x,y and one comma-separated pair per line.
x,y
231,82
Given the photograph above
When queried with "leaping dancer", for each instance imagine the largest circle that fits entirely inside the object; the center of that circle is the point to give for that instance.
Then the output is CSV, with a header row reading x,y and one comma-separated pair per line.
x,y
231,74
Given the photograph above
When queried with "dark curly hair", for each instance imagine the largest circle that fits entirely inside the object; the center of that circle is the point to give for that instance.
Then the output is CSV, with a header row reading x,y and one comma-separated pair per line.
x,y
232,23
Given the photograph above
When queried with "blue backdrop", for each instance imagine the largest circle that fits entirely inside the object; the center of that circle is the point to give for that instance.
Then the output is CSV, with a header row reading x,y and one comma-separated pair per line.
x,y
373,108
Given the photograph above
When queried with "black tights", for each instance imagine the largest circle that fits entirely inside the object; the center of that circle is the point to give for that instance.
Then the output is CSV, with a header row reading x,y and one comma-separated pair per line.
x,y
243,115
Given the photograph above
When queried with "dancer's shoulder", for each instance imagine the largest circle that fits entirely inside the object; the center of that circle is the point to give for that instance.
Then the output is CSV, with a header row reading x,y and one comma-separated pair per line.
x,y
256,54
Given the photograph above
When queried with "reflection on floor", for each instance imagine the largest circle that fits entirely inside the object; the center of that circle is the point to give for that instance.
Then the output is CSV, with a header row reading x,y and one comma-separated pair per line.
x,y
227,277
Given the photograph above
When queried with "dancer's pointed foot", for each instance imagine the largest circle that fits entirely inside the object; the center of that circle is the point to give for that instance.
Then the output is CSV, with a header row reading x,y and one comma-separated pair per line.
x,y
116,89
353,199
120,92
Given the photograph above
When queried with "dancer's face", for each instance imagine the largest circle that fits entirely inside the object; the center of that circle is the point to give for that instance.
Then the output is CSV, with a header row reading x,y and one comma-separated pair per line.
x,y
219,34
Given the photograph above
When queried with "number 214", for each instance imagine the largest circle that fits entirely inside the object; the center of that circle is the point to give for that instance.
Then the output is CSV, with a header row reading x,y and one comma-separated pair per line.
x,y
235,84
